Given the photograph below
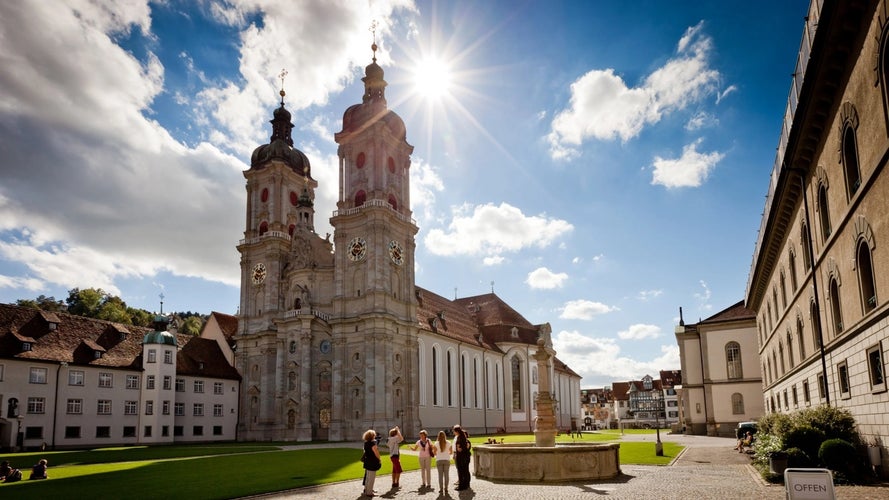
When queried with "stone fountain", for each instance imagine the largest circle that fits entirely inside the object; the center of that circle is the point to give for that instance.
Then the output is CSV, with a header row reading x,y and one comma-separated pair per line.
x,y
543,461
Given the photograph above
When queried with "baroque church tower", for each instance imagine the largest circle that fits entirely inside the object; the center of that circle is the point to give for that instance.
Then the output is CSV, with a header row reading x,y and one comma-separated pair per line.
x,y
326,340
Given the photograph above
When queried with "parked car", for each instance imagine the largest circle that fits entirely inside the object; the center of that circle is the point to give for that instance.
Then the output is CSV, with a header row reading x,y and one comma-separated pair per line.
x,y
744,428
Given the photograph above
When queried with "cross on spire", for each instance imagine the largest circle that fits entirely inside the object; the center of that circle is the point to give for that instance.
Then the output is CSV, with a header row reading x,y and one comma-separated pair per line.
x,y
373,29
281,76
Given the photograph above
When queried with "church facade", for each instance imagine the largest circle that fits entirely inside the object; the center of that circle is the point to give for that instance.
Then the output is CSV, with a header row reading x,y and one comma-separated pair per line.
x,y
334,336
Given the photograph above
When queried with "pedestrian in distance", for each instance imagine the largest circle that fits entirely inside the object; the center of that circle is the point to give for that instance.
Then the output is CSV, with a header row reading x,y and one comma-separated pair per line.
x,y
424,445
372,463
443,451
395,439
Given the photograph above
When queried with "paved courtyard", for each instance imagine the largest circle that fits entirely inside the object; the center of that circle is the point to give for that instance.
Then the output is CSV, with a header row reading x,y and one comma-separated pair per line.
x,y
707,468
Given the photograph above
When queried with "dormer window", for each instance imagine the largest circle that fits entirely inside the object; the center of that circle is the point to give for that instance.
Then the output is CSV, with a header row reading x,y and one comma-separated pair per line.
x,y
515,332
26,346
201,365
97,354
122,337
52,326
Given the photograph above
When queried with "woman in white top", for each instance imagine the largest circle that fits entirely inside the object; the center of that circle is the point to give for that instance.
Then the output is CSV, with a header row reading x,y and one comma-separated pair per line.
x,y
443,450
395,438
425,457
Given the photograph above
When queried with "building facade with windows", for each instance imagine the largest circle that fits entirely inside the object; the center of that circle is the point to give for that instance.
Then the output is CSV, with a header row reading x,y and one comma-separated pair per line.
x,y
645,403
818,283
334,336
721,382
72,382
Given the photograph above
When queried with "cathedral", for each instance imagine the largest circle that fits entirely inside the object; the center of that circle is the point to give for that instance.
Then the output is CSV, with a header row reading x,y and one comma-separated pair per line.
x,y
334,337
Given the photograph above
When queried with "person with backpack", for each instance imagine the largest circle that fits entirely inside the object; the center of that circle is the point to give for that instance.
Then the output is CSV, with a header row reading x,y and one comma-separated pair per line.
x,y
462,454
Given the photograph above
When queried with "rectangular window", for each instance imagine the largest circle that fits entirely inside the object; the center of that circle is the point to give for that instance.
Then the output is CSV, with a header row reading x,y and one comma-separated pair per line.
x,y
72,432
168,357
74,407
148,431
197,430
168,382
36,405
177,430
793,393
104,407
179,409
75,377
843,380
149,407
103,431
152,356
217,411
875,369
786,405
217,388
37,376
180,385
129,431
33,432
149,382
199,386
105,379
132,381
165,431
806,392
1,373
166,408
822,388
217,430
198,410
130,407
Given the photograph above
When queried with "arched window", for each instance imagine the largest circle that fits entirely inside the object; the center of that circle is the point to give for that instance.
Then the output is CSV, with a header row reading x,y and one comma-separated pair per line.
x,y
799,339
737,404
450,378
816,325
850,159
733,360
792,266
775,364
807,249
790,350
360,198
783,292
291,381
436,377
464,385
775,301
263,227
835,309
393,202
765,373
824,212
781,357
292,346
516,371
866,277
771,374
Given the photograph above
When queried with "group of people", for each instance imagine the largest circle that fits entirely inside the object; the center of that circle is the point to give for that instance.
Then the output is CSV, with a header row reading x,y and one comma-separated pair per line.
x,y
440,449
9,474
745,441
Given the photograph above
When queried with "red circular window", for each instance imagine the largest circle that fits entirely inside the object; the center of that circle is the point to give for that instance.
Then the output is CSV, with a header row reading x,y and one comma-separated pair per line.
x,y
265,195
391,165
293,198
359,162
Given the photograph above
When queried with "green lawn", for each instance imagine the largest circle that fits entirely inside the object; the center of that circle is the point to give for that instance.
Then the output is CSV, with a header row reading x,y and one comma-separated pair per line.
x,y
231,470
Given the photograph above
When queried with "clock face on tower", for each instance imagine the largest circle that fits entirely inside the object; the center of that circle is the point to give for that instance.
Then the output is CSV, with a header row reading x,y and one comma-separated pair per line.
x,y
259,273
396,253
357,249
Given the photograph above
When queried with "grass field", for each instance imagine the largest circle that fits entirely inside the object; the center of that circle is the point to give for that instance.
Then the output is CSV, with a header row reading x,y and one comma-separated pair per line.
x,y
232,470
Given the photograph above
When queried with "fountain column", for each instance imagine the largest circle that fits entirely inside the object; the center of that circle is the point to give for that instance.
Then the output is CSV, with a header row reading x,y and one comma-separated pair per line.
x,y
545,424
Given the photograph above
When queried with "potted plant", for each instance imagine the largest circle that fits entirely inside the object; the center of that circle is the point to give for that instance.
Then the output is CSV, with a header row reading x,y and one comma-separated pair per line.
x,y
777,461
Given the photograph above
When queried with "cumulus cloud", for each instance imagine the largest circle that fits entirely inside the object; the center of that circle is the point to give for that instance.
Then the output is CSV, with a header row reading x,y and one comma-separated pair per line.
x,y
495,260
493,230
599,360
543,278
640,331
584,309
604,107
689,170
646,295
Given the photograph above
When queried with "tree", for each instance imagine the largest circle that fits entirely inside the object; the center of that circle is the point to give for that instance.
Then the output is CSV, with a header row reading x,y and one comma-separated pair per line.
x,y
85,302
192,325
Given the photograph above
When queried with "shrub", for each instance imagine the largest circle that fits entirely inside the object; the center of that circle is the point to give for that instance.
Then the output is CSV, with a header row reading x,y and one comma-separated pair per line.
x,y
798,458
776,424
806,438
766,444
835,423
838,455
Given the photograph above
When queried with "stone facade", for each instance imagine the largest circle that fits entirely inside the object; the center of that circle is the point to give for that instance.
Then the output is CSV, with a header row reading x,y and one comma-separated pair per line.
x,y
817,283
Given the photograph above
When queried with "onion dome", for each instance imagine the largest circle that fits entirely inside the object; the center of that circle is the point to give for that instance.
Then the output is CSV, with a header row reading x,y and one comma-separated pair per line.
x,y
373,103
280,146
160,335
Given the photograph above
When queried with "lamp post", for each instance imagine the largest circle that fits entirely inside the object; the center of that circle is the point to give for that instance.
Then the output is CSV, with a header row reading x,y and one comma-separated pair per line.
x,y
19,437
658,404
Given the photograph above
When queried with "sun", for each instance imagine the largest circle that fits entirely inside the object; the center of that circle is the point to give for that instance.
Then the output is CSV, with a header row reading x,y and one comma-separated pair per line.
x,y
432,79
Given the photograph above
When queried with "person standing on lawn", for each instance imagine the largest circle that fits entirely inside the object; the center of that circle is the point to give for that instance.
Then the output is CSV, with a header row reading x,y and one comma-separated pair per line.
x,y
395,439
461,457
425,458
371,460
442,450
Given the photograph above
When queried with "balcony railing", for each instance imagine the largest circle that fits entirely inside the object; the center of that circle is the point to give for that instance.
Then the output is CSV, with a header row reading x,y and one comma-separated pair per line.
x,y
375,203
268,234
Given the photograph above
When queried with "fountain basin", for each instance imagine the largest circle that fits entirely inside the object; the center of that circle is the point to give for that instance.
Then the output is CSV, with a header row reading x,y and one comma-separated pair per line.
x,y
524,462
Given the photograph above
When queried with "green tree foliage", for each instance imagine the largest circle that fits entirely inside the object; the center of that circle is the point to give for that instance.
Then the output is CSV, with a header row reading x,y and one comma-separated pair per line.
x,y
806,438
140,317
839,455
192,325
43,303
85,302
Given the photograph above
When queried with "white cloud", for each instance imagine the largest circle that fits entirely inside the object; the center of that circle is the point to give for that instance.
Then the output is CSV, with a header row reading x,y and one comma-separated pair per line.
x,y
703,297
604,107
425,182
600,360
646,295
576,260
543,278
640,331
729,90
700,120
495,260
492,230
689,170
584,309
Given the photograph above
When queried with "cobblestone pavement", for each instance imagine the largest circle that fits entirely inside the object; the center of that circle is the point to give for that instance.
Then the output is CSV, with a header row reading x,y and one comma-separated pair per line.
x,y
707,468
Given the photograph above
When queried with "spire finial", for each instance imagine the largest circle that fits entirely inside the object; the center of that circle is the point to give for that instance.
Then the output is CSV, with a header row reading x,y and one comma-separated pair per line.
x,y
373,47
161,295
281,76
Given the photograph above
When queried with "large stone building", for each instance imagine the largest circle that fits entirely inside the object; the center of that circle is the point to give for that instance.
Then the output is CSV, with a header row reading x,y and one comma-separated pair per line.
x,y
72,382
817,283
721,381
334,335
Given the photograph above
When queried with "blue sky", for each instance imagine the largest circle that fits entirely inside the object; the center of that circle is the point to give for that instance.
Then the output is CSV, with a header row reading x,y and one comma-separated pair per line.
x,y
601,163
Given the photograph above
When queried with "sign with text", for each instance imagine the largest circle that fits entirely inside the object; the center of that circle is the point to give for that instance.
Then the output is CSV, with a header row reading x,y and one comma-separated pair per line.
x,y
809,484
